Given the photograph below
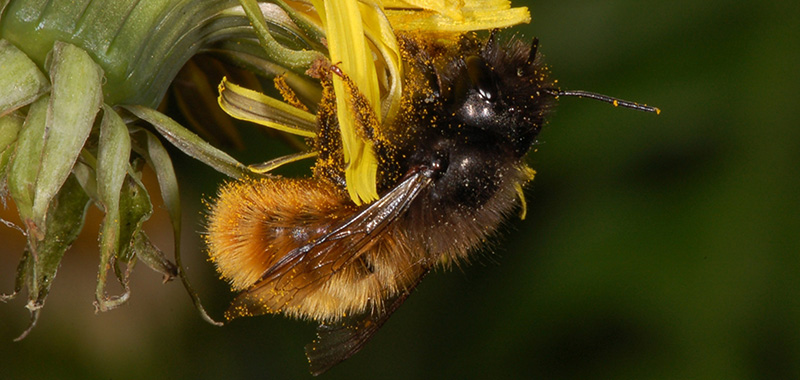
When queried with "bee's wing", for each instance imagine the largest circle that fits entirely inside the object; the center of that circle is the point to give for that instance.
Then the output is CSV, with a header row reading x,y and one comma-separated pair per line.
x,y
337,342
353,233
308,266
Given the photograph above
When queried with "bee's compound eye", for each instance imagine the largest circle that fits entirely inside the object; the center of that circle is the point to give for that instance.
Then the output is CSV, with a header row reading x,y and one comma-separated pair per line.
x,y
482,78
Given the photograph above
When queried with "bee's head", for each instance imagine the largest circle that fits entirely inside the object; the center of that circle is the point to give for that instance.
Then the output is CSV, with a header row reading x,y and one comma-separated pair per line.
x,y
505,90
501,89
479,112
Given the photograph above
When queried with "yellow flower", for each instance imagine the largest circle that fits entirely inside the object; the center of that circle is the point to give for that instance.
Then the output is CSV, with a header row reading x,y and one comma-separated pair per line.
x,y
360,36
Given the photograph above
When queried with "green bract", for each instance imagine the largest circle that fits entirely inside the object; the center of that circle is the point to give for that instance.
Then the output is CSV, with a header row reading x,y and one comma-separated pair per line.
x,y
79,81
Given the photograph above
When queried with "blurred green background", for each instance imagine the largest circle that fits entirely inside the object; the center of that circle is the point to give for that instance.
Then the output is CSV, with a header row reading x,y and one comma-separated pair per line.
x,y
656,247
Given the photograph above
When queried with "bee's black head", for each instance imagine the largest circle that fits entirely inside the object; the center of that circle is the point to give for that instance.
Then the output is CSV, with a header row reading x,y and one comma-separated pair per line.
x,y
473,109
500,89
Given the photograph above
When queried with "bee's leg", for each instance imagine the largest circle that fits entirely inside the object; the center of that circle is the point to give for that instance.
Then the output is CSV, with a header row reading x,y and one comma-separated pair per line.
x,y
367,124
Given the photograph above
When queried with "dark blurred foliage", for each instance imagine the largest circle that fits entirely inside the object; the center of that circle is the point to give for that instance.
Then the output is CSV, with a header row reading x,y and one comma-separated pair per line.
x,y
656,247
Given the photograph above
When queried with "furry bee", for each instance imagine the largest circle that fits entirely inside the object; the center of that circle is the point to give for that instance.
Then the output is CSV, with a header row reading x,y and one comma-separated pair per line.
x,y
451,171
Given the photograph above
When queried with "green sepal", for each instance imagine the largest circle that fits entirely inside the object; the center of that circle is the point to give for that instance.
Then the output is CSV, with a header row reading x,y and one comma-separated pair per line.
x,y
153,257
24,165
19,279
5,158
10,125
294,59
114,146
113,153
75,98
159,160
190,143
134,209
21,80
310,28
42,258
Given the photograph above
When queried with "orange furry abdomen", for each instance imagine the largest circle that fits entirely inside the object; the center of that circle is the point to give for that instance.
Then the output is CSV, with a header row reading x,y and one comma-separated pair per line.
x,y
254,224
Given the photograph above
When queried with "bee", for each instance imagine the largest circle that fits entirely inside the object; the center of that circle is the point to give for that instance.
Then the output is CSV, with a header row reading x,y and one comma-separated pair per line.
x,y
451,170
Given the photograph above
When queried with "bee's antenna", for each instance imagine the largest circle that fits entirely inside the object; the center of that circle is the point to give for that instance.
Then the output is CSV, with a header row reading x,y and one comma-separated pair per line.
x,y
604,98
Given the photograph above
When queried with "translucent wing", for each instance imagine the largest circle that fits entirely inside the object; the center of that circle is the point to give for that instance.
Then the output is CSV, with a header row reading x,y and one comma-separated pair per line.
x,y
306,268
337,342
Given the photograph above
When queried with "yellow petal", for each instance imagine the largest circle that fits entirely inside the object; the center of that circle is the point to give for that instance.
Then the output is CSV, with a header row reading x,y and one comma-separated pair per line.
x,y
255,107
380,33
449,8
348,49
447,16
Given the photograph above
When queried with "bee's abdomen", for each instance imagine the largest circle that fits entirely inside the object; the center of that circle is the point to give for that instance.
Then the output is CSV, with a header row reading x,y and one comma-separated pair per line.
x,y
253,224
